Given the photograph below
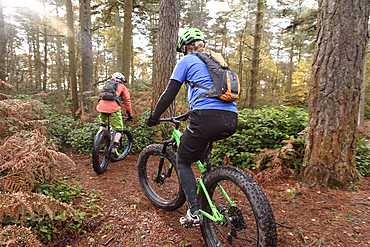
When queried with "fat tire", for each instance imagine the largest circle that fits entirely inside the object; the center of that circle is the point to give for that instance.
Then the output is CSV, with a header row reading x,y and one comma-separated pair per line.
x,y
128,147
102,139
178,197
261,208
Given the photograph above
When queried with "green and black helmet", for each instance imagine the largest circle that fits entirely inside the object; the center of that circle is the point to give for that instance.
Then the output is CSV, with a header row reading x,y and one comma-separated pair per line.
x,y
189,37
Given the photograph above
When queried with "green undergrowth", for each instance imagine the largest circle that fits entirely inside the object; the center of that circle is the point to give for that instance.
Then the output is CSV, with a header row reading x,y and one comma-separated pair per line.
x,y
259,129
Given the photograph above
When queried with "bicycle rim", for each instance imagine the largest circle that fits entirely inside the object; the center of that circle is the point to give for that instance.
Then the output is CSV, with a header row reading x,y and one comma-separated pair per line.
x,y
100,153
124,146
166,193
249,222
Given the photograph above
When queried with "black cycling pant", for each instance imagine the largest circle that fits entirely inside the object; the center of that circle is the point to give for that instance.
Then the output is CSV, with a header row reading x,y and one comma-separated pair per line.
x,y
204,126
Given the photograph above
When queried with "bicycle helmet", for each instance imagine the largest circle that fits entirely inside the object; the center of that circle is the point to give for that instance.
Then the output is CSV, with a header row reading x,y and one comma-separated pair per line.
x,y
119,76
188,38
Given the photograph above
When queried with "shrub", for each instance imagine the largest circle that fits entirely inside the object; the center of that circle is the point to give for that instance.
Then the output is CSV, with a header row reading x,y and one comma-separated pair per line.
x,y
367,111
60,128
363,157
259,129
82,138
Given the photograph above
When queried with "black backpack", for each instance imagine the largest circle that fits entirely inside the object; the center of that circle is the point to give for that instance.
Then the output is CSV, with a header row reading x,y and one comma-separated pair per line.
x,y
109,91
226,84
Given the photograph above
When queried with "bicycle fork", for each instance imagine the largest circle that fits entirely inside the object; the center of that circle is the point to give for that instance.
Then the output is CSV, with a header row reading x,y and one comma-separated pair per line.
x,y
161,177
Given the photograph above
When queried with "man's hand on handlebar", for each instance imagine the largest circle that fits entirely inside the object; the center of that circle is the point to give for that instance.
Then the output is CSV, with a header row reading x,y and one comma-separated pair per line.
x,y
150,121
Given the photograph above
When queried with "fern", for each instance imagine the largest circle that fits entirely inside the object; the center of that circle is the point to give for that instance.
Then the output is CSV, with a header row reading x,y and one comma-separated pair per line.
x,y
28,157
19,205
18,236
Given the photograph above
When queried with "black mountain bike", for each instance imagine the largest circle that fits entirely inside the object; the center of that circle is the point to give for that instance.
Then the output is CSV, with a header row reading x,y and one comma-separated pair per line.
x,y
236,212
101,152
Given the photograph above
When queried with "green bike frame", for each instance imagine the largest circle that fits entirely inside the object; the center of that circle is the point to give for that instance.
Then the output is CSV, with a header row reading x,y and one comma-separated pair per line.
x,y
216,216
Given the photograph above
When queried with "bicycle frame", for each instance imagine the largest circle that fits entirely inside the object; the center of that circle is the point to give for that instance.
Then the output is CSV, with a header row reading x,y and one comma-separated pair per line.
x,y
216,216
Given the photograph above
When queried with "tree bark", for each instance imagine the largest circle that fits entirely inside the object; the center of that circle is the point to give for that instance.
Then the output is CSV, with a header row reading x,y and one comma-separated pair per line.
x,y
72,59
127,37
86,53
165,51
44,79
2,44
256,56
361,111
37,60
59,64
335,84
290,68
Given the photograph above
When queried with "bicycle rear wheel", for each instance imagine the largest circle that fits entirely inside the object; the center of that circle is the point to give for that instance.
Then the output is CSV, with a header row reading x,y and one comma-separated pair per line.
x,y
124,145
100,152
164,191
250,222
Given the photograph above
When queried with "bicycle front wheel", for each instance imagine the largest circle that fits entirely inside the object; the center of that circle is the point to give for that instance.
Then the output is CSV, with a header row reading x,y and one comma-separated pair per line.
x,y
249,222
160,186
100,152
124,145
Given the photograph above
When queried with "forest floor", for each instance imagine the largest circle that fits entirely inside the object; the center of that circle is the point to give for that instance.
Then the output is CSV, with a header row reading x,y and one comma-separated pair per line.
x,y
322,217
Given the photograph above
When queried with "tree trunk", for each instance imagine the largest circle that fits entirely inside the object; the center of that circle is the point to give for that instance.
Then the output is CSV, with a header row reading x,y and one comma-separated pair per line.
x,y
132,68
256,56
38,61
2,44
59,64
335,85
72,59
44,79
165,53
86,53
361,111
127,37
290,69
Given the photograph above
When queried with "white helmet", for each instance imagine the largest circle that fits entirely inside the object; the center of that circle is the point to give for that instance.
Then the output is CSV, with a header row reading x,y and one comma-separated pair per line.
x,y
119,76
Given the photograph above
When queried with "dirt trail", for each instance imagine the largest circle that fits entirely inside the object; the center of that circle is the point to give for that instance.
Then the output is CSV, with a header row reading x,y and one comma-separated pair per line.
x,y
308,218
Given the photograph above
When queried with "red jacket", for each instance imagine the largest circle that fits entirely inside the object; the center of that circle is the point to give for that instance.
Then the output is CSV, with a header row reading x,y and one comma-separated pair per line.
x,y
110,106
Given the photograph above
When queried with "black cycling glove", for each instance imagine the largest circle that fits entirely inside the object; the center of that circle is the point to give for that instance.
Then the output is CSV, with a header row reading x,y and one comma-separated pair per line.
x,y
130,118
151,121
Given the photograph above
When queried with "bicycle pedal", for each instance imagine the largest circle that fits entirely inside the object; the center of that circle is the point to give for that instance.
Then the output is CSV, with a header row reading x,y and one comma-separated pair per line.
x,y
187,226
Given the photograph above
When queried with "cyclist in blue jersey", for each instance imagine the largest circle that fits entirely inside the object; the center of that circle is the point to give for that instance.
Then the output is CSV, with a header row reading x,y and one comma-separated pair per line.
x,y
209,120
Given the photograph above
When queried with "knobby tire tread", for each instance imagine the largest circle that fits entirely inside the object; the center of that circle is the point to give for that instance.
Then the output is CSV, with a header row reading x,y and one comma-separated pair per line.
x,y
267,236
170,155
102,136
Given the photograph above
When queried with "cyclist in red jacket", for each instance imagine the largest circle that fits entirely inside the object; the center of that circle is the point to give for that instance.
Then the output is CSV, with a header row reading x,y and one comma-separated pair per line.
x,y
114,108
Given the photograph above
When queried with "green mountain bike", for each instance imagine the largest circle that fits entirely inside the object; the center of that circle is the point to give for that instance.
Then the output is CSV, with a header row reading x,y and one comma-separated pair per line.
x,y
101,152
236,212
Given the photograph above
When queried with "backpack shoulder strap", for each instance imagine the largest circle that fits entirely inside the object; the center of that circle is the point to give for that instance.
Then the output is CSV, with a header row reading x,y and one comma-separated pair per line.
x,y
212,59
218,57
191,84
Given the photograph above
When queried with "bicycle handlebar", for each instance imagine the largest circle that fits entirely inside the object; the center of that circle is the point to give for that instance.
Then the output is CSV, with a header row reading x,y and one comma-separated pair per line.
x,y
176,120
